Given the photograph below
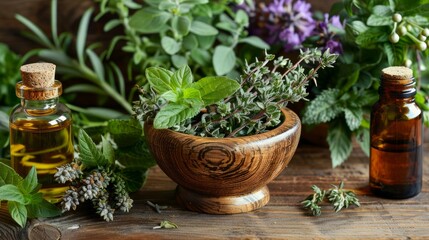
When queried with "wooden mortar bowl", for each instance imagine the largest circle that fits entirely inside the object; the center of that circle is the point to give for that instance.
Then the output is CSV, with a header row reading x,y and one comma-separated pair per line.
x,y
224,175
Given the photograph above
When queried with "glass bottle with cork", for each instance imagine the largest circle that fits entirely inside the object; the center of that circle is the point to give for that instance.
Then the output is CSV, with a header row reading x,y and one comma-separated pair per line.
x,y
396,137
41,128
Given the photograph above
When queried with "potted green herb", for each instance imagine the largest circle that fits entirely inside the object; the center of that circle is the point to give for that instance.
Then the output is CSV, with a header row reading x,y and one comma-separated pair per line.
x,y
223,140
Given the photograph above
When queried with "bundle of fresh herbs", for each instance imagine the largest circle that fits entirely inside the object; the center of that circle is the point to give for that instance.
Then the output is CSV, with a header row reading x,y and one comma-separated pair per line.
x,y
222,107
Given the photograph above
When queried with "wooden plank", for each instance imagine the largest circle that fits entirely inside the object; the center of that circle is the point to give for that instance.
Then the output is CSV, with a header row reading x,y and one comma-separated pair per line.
x,y
281,218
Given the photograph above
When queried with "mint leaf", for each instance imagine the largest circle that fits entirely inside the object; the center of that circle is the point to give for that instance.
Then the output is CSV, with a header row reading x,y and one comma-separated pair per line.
x,y
170,96
159,79
40,208
134,179
340,142
182,78
223,59
89,154
29,185
173,114
11,192
149,20
108,151
323,108
191,93
214,89
125,132
8,175
369,38
353,117
136,157
376,20
18,212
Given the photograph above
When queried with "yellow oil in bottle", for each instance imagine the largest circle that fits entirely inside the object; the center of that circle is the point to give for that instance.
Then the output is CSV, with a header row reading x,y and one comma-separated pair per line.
x,y
45,145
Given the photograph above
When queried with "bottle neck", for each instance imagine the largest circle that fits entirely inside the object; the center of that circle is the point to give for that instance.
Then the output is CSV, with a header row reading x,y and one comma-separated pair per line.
x,y
397,90
40,107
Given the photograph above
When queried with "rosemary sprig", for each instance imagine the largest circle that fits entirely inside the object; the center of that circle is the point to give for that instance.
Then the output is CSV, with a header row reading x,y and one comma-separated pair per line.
x,y
337,196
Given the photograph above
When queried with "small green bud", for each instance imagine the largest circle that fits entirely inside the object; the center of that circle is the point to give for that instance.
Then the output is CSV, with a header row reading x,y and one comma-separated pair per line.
x,y
425,32
408,63
394,38
422,37
422,46
401,31
409,28
397,17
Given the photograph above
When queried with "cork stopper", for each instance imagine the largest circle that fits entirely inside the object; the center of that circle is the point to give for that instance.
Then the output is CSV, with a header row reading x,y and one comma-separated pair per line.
x,y
397,73
38,75
38,82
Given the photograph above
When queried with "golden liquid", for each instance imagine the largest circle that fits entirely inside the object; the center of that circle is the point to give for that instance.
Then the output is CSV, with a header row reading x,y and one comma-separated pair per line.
x,y
45,145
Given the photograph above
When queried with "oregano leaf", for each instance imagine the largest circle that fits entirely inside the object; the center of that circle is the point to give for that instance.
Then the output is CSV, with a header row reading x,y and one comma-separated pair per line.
x,y
223,59
159,79
203,29
173,114
89,154
214,89
170,45
149,20
18,212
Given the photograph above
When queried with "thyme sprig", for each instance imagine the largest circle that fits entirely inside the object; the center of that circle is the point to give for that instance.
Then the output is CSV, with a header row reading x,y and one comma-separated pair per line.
x,y
341,198
337,196
312,201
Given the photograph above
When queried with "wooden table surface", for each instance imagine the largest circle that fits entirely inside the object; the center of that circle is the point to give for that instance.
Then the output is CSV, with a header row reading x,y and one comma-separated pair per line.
x,y
281,218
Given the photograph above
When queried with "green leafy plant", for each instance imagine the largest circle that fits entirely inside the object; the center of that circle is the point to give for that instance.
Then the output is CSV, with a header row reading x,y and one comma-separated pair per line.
x,y
22,196
104,79
105,174
222,107
337,196
378,34
206,35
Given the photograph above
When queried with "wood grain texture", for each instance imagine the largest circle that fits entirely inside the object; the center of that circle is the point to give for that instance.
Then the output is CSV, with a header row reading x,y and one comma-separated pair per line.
x,y
227,174
281,218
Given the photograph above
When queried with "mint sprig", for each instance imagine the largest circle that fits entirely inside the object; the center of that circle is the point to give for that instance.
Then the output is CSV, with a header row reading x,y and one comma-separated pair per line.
x,y
22,196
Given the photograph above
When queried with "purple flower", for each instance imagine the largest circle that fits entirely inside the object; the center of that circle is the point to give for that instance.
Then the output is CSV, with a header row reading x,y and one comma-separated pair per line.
x,y
285,22
327,30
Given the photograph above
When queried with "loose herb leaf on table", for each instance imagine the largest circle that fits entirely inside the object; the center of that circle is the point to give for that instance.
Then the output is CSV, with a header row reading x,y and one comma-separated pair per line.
x,y
22,196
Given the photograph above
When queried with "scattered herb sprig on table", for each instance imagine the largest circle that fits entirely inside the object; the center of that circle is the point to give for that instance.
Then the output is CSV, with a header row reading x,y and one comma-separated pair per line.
x,y
107,173
337,196
22,196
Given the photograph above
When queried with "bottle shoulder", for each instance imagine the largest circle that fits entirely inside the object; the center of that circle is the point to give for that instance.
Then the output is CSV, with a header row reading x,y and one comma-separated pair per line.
x,y
60,112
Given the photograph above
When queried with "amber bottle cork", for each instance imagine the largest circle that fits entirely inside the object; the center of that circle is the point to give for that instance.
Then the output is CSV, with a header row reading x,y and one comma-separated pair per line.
x,y
396,137
38,82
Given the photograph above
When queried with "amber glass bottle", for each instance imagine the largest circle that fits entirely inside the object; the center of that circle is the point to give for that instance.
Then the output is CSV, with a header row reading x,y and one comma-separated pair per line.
x,y
396,137
40,128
